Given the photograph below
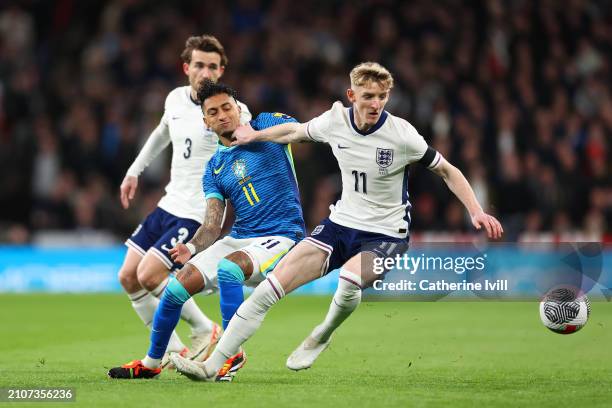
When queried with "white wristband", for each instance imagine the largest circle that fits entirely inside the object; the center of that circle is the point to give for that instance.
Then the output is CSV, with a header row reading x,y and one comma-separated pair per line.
x,y
191,248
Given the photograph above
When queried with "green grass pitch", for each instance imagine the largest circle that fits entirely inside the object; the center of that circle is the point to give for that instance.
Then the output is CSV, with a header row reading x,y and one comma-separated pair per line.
x,y
386,355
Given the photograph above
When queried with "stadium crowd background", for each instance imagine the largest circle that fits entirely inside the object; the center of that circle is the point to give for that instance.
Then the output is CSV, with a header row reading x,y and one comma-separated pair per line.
x,y
517,94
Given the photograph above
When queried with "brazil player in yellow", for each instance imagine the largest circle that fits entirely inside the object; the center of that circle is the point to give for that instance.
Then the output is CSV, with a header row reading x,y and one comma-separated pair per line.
x,y
259,181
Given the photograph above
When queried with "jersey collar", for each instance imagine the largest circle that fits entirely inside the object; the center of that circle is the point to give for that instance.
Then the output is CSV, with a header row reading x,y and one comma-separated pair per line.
x,y
190,98
222,149
381,121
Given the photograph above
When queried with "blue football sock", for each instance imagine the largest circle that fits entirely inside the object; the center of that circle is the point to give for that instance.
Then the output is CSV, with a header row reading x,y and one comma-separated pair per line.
x,y
230,278
166,317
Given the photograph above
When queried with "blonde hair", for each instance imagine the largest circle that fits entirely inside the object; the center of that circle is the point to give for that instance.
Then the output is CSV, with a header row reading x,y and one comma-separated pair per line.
x,y
371,72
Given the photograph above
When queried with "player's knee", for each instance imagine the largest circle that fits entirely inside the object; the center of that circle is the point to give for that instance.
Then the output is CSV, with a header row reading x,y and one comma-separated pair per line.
x,y
192,279
229,272
128,279
149,278
243,261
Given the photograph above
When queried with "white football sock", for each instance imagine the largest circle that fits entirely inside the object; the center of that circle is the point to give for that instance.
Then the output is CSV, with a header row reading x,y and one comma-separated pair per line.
x,y
145,305
190,312
151,362
345,301
194,316
245,322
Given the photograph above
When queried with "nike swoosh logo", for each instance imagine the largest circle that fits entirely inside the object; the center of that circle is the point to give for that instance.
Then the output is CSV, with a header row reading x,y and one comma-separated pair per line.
x,y
176,117
342,147
217,171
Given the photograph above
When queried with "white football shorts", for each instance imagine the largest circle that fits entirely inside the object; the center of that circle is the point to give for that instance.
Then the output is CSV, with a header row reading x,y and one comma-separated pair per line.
x,y
264,252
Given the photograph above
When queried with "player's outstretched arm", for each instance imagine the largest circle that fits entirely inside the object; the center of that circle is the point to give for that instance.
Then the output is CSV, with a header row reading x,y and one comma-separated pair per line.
x,y
284,133
458,184
205,236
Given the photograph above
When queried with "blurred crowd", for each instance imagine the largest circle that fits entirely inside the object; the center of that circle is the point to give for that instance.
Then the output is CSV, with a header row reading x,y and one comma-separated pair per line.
x,y
517,94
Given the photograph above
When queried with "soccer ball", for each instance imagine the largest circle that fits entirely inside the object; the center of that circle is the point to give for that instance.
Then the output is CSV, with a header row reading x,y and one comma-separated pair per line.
x,y
564,310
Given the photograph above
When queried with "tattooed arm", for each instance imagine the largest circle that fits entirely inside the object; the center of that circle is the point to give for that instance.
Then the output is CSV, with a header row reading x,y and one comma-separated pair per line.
x,y
210,230
205,236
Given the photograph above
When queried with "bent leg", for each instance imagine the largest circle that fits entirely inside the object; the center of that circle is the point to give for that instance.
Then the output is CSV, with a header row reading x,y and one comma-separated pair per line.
x,y
128,271
346,299
355,274
153,275
302,264
180,289
143,303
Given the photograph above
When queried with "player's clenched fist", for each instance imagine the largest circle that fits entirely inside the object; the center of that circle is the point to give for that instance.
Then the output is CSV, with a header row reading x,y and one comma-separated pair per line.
x,y
180,253
243,135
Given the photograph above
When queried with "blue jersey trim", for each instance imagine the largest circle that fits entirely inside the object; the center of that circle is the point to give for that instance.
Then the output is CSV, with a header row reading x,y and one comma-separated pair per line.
x,y
381,121
214,195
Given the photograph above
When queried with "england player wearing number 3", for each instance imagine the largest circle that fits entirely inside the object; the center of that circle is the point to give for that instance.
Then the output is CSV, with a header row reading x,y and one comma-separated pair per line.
x,y
371,219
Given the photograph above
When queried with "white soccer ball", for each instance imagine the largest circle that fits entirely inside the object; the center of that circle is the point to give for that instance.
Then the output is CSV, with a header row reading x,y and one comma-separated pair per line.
x,y
564,310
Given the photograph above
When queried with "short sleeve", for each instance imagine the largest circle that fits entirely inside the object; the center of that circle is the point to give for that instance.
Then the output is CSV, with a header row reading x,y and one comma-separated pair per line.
x,y
209,183
266,119
317,129
415,145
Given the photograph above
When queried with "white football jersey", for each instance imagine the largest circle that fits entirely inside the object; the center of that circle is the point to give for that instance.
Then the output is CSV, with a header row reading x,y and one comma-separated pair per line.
x,y
374,167
192,146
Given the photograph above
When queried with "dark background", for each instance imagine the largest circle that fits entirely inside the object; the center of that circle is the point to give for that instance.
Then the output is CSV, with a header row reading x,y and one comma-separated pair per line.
x,y
517,94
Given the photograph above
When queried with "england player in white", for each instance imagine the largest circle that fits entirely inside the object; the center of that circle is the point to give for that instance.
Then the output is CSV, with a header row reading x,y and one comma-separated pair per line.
x,y
373,149
145,270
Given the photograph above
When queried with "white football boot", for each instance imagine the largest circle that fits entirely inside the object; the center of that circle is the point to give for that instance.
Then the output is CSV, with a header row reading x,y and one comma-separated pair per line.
x,y
194,370
166,364
202,345
305,355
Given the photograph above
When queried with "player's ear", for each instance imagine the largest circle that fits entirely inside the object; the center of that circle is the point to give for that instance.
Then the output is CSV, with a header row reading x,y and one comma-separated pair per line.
x,y
186,68
350,94
221,71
